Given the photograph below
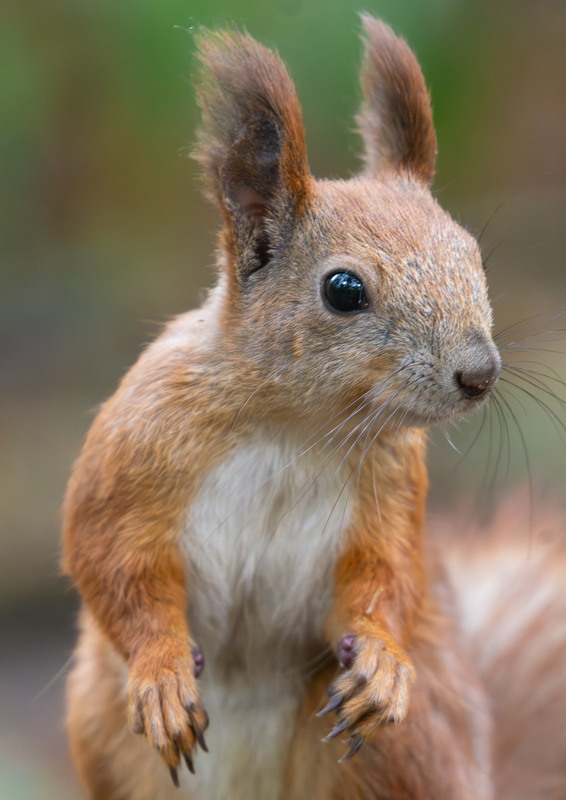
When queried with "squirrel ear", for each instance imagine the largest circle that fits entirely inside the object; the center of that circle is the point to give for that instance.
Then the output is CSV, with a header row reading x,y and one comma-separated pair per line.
x,y
396,118
251,144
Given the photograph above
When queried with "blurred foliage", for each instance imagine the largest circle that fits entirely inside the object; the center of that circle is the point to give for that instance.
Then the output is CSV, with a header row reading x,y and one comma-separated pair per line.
x,y
104,233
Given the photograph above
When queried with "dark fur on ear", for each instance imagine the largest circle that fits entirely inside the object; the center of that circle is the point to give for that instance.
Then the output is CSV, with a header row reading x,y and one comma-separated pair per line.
x,y
251,144
396,117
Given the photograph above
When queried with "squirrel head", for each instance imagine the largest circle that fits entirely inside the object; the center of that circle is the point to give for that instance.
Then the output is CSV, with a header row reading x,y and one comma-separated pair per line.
x,y
340,291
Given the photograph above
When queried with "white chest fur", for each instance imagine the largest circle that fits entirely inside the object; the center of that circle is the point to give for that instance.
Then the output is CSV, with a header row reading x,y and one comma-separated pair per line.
x,y
262,540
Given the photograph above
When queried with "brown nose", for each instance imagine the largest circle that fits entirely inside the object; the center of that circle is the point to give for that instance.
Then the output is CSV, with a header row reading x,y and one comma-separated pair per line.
x,y
476,382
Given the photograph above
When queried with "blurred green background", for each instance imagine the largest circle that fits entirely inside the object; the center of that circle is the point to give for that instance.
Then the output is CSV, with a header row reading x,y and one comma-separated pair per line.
x,y
104,234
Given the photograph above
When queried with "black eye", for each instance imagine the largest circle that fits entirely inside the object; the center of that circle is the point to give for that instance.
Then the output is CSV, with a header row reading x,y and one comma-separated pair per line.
x,y
345,292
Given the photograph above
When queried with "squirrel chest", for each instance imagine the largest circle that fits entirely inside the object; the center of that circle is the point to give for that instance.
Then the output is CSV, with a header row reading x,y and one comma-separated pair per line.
x,y
262,538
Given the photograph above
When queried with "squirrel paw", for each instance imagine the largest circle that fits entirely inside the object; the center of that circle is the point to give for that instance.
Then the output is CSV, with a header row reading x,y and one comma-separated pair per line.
x,y
165,706
373,690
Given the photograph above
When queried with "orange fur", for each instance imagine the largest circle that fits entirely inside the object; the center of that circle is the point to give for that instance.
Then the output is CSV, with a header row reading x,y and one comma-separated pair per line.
x,y
395,120
168,508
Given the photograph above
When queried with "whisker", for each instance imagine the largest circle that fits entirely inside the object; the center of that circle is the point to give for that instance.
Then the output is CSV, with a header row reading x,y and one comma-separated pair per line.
x,y
492,216
373,420
336,430
553,377
530,377
383,426
369,392
490,469
507,238
364,397
474,440
369,397
376,495
558,424
308,668
534,338
401,421
450,442
255,391
503,440
530,348
512,329
355,470
515,419
540,386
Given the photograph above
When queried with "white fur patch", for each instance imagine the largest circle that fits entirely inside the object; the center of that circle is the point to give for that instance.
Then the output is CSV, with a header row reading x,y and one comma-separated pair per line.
x,y
251,726
262,540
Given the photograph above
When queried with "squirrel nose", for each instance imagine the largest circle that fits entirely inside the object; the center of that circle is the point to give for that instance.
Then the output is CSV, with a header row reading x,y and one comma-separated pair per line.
x,y
476,382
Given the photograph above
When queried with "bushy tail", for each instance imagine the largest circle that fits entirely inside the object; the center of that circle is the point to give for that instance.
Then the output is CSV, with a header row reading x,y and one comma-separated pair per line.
x,y
510,581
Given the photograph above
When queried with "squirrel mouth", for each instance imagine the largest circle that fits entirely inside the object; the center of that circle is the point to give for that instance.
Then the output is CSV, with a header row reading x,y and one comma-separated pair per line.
x,y
429,416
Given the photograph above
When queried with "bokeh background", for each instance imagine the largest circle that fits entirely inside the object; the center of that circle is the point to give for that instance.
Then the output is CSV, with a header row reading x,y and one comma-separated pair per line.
x,y
104,235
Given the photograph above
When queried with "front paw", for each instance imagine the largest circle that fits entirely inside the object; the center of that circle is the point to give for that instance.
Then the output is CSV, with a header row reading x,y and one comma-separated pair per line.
x,y
373,690
164,704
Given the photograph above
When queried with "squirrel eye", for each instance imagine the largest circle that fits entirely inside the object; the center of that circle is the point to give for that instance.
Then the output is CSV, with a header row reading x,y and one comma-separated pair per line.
x,y
345,292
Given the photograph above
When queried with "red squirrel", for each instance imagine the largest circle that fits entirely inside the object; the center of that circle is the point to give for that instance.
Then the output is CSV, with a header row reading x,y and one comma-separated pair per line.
x,y
245,523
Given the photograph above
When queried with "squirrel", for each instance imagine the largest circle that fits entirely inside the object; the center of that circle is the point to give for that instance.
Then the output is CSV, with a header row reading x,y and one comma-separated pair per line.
x,y
246,522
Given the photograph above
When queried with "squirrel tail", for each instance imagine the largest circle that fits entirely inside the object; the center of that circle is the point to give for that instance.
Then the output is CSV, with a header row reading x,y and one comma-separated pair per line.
x,y
510,582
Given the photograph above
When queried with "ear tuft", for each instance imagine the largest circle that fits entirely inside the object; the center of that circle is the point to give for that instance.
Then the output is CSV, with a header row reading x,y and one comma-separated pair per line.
x,y
251,145
396,117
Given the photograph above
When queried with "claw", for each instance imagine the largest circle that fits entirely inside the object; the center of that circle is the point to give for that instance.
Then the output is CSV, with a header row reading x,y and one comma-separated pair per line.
x,y
201,741
138,724
355,743
189,763
337,730
174,776
332,704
